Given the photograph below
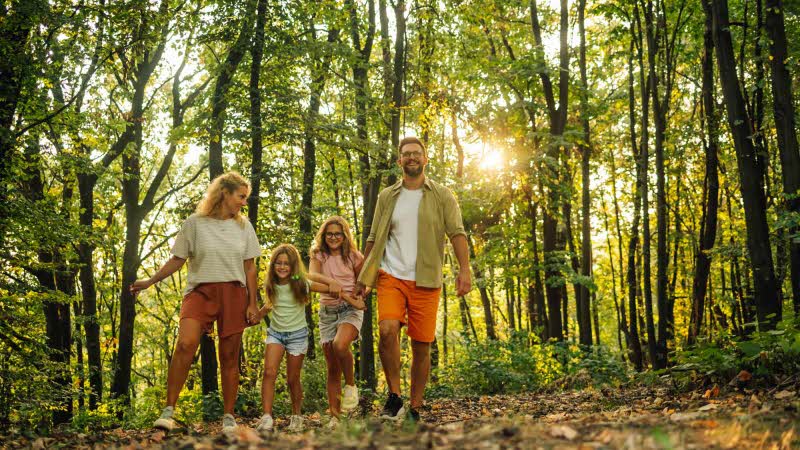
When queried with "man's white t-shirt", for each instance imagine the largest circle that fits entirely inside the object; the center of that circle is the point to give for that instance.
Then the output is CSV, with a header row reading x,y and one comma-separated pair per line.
x,y
400,256
215,249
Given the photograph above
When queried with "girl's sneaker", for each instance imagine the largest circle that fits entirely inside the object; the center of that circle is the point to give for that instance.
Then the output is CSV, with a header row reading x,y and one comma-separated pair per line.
x,y
265,424
165,422
350,398
333,424
228,423
295,423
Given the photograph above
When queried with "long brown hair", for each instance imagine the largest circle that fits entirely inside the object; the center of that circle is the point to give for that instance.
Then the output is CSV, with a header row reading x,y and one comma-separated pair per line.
x,y
226,183
297,280
348,246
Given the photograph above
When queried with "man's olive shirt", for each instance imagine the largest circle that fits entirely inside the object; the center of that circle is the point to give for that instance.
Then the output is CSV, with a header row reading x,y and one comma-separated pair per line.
x,y
439,215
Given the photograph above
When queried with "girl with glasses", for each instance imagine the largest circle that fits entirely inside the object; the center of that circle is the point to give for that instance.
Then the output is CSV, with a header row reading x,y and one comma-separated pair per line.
x,y
335,261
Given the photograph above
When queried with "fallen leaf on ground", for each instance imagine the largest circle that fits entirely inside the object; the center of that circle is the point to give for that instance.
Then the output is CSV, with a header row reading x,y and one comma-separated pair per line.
x,y
711,393
604,437
563,431
705,423
784,394
680,417
708,407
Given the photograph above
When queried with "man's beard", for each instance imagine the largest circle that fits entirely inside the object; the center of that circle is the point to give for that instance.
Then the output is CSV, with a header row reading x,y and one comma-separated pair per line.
x,y
412,172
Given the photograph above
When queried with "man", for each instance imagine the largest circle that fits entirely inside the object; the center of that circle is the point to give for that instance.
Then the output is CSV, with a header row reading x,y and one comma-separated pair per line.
x,y
403,259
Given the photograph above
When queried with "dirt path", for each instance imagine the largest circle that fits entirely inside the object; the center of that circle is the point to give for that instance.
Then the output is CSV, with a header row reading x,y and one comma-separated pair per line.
x,y
633,418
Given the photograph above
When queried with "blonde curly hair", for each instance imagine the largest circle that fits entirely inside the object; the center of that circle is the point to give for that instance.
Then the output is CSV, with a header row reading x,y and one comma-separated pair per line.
x,y
226,183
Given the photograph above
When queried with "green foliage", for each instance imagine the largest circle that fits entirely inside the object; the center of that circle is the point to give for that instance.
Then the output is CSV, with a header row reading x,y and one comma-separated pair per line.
x,y
773,352
521,364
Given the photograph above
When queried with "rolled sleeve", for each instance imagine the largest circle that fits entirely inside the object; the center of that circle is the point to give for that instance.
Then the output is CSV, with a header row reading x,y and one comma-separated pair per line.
x,y
453,223
373,231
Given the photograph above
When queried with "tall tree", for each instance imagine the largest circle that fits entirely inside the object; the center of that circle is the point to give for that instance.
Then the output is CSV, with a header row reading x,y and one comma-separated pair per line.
x,y
786,128
584,320
553,244
708,227
751,173
151,34
320,65
371,183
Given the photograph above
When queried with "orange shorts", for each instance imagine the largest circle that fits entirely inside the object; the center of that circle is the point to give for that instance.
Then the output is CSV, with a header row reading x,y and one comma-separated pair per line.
x,y
400,298
225,303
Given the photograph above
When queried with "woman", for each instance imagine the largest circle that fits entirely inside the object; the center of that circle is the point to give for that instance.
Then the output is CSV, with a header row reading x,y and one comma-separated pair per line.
x,y
221,247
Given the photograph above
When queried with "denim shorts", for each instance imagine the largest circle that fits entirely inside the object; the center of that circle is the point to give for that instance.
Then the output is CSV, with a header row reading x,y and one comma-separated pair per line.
x,y
295,342
330,317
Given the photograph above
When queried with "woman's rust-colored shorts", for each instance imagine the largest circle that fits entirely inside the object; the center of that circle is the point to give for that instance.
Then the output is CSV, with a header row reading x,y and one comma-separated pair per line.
x,y
412,305
225,303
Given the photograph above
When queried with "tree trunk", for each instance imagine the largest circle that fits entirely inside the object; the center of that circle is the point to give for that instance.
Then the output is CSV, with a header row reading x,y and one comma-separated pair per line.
x,y
585,149
320,74
633,330
371,183
708,227
750,174
785,125
552,245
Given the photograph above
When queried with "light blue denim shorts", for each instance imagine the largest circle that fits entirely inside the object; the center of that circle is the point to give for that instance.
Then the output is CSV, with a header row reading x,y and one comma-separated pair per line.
x,y
330,317
295,342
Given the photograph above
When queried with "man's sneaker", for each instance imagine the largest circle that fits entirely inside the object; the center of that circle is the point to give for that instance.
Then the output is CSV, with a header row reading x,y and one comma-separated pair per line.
x,y
413,415
265,424
165,422
333,424
393,409
350,399
295,423
228,423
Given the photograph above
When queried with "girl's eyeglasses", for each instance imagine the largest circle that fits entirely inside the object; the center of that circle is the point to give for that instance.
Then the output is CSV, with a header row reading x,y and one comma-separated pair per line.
x,y
334,235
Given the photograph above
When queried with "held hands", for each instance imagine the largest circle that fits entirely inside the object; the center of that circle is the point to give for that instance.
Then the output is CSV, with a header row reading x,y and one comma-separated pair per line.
x,y
361,290
355,302
463,282
253,314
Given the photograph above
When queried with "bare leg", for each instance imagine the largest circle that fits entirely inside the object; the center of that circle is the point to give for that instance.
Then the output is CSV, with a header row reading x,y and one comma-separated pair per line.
x,y
273,355
389,349
189,332
229,369
333,384
294,363
345,336
420,369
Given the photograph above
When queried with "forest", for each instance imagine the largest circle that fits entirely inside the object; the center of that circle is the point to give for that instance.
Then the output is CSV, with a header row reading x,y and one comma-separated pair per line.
x,y
628,172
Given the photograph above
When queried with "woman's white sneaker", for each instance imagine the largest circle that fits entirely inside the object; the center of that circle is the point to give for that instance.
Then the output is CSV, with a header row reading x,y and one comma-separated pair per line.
x,y
350,398
228,423
165,421
265,424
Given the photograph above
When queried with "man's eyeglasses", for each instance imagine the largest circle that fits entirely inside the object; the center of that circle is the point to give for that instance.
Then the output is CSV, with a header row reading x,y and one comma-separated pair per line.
x,y
411,154
334,235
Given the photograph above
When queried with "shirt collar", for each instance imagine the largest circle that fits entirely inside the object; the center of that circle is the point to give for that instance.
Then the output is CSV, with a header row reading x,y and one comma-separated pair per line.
x,y
399,184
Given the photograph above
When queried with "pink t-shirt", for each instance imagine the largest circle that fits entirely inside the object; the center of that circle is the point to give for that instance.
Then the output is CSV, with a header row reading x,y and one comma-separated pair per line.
x,y
341,270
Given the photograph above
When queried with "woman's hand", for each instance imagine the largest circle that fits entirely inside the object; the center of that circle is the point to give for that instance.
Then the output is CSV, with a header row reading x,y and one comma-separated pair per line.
x,y
140,285
253,314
